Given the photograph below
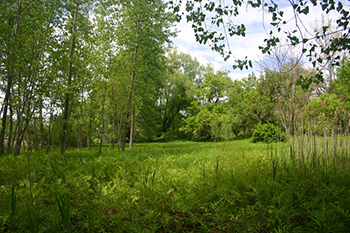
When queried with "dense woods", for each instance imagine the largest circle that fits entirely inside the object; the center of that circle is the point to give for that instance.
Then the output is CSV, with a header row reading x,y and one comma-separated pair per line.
x,y
92,92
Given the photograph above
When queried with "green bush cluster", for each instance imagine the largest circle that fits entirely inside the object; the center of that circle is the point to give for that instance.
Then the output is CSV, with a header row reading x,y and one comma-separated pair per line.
x,y
267,133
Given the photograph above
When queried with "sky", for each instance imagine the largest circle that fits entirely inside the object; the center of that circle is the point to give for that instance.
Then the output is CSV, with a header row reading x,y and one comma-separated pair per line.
x,y
255,21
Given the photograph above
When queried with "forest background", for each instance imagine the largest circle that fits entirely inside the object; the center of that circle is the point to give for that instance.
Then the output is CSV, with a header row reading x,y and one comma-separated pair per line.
x,y
77,73
82,81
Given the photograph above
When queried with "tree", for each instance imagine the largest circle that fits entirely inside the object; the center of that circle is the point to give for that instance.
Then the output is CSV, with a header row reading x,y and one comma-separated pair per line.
x,y
67,96
23,62
282,70
206,113
177,92
243,102
342,83
142,33
218,33
74,34
326,61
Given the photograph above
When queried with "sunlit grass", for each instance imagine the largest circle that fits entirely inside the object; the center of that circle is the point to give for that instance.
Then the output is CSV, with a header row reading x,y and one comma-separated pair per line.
x,y
174,187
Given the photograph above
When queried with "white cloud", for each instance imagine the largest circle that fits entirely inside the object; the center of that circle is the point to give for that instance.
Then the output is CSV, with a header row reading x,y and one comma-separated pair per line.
x,y
244,46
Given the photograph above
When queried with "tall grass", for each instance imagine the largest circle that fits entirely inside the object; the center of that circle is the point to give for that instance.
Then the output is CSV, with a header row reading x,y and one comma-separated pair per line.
x,y
183,187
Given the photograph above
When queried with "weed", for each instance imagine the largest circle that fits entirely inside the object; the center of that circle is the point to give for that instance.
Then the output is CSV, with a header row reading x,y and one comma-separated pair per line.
x,y
182,186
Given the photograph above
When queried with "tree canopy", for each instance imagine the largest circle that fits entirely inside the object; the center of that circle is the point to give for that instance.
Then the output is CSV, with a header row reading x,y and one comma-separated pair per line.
x,y
213,22
81,73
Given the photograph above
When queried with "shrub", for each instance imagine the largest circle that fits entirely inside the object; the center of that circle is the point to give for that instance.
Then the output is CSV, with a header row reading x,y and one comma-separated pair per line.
x,y
267,133
96,141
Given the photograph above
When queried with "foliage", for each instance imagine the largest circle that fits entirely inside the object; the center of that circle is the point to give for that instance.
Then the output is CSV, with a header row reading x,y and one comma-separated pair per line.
x,y
342,83
326,111
267,133
178,186
224,24
177,92
245,105
207,110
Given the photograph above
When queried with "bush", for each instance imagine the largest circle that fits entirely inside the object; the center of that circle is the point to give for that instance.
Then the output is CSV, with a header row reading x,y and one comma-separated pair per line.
x,y
267,133
96,141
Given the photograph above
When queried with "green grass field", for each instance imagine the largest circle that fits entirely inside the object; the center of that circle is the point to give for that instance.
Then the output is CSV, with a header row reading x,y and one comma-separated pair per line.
x,y
175,187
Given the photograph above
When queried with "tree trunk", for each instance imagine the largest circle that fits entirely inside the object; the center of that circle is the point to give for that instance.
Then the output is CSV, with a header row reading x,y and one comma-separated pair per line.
x,y
42,135
69,84
80,123
132,128
113,132
132,81
14,138
90,122
124,135
9,140
9,79
113,120
103,121
120,132
49,135
35,139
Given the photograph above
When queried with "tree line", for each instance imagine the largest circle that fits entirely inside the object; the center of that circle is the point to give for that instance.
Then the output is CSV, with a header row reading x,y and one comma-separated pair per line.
x,y
77,73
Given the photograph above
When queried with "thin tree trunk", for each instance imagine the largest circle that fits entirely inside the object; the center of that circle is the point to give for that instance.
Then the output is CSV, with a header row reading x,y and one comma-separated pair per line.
x,y
111,140
80,123
113,121
69,84
23,129
9,79
90,122
120,132
49,134
77,134
132,128
29,142
42,135
132,81
35,141
9,140
14,138
103,121
113,132
124,136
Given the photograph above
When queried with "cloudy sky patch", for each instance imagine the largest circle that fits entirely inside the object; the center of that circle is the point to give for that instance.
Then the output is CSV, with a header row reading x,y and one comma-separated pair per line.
x,y
257,29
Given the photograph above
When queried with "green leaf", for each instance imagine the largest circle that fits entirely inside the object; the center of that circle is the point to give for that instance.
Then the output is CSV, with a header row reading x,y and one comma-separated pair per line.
x,y
306,10
324,6
219,21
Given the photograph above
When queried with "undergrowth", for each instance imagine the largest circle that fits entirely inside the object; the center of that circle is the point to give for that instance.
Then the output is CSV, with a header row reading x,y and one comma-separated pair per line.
x,y
176,187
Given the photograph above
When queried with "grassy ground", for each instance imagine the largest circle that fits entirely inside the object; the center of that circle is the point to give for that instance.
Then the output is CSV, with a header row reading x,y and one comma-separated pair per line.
x,y
175,187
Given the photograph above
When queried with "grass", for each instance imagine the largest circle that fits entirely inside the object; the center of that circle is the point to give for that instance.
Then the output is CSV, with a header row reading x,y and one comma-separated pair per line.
x,y
176,187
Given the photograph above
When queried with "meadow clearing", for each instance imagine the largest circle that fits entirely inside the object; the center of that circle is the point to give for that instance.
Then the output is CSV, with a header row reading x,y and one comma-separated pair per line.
x,y
175,187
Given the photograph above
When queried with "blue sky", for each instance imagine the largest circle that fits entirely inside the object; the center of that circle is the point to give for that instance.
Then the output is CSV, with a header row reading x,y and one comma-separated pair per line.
x,y
242,46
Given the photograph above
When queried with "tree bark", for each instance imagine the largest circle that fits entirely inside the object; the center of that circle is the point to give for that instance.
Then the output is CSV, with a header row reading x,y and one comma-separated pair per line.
x,y
80,123
90,123
69,83
103,121
42,135
132,81
120,132
131,140
9,139
35,139
49,134
9,79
